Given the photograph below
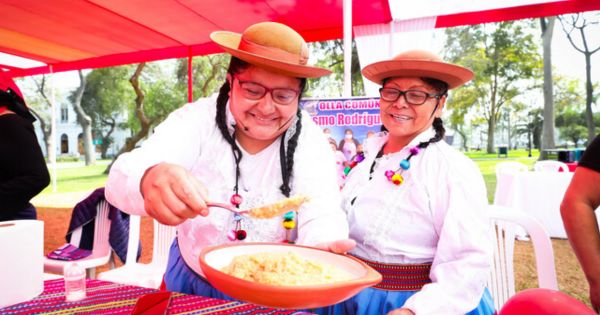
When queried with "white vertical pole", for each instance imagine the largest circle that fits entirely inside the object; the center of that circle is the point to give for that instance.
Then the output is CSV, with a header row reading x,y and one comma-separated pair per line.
x,y
347,48
52,154
391,40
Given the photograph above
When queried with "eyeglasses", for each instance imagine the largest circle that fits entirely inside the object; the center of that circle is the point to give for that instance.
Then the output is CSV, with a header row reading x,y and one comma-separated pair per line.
x,y
255,91
412,97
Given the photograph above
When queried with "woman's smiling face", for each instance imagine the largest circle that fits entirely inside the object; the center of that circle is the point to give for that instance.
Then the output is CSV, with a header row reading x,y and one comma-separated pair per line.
x,y
260,121
405,121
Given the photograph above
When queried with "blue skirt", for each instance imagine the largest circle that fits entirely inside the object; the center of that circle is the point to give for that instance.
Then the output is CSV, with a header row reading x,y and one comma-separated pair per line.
x,y
374,302
181,278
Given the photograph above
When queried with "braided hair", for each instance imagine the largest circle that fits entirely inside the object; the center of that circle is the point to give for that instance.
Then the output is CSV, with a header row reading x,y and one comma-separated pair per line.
x,y
286,151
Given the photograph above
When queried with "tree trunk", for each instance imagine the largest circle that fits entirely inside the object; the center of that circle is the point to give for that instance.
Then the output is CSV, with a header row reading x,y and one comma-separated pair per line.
x,y
44,124
145,122
86,123
548,125
45,130
106,138
463,136
589,97
491,131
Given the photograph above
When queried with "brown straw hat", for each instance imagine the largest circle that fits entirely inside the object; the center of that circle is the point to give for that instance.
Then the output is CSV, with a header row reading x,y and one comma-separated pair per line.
x,y
418,63
270,45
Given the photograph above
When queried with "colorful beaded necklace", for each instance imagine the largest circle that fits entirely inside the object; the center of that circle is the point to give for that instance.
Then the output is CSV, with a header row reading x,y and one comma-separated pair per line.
x,y
236,200
393,176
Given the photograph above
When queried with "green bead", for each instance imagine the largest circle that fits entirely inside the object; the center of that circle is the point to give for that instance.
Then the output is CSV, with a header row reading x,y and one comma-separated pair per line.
x,y
347,170
289,215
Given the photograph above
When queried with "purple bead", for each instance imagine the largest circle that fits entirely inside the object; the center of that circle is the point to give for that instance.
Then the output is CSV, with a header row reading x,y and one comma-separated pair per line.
x,y
359,157
389,173
414,150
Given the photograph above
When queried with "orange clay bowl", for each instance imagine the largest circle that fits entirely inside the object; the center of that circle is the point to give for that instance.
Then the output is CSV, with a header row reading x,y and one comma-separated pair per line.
x,y
213,258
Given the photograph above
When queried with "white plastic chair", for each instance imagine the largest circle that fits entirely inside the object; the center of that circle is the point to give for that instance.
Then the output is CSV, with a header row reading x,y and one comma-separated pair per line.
x,y
148,275
504,222
510,167
101,250
550,166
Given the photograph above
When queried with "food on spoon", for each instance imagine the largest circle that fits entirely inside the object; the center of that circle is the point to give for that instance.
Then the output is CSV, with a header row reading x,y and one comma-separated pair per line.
x,y
278,208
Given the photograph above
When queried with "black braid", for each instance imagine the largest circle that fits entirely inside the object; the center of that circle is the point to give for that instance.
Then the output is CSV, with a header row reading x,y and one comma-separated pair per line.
x,y
287,163
440,131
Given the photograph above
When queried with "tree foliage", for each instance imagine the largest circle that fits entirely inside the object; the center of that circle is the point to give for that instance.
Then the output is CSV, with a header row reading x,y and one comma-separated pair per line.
x,y
106,98
330,55
578,28
503,56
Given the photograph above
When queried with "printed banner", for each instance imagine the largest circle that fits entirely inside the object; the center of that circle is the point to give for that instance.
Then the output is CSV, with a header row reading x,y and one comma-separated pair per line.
x,y
349,121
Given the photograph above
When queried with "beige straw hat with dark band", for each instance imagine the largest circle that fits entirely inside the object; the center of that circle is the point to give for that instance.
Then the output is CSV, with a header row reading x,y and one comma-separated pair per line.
x,y
418,63
270,45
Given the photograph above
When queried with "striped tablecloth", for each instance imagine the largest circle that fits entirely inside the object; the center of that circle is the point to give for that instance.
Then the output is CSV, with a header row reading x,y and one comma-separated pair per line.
x,y
111,298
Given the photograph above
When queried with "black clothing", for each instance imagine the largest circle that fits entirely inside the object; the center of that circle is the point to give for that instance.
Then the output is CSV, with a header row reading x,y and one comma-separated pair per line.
x,y
23,171
591,156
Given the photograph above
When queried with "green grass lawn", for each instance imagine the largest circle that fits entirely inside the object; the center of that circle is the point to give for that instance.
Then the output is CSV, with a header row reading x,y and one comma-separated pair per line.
x,y
73,177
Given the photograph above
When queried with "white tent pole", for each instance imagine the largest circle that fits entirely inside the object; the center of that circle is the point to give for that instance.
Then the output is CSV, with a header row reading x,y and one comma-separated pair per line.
x,y
391,40
52,154
347,48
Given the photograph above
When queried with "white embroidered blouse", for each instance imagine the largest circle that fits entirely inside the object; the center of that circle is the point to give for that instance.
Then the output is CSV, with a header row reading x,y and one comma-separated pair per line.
x,y
437,215
189,137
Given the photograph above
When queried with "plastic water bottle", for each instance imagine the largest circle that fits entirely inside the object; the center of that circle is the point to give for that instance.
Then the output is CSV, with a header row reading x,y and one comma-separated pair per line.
x,y
74,282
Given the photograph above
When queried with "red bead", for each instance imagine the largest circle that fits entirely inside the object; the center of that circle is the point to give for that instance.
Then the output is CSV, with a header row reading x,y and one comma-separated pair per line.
x,y
353,164
236,200
240,235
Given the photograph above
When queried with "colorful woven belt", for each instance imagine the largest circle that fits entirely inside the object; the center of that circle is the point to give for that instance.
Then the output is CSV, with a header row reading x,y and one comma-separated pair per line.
x,y
396,277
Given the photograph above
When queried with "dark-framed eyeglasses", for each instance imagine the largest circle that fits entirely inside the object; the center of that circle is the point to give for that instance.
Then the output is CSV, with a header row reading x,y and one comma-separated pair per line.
x,y
412,97
255,91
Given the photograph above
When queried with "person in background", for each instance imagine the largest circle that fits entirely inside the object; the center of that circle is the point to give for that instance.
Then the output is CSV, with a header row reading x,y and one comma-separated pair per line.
x,y
348,145
370,134
415,205
340,161
23,170
268,149
577,209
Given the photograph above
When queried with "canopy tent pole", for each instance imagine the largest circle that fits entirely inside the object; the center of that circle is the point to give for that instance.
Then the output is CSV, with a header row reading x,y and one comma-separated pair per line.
x,y
52,146
347,48
189,75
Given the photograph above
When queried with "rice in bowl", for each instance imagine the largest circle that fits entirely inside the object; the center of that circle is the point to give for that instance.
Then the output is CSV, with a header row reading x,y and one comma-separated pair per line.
x,y
283,269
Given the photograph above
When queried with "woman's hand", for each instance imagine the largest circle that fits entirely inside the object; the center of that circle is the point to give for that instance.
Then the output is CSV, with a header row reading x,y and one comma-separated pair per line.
x,y
172,195
401,311
339,246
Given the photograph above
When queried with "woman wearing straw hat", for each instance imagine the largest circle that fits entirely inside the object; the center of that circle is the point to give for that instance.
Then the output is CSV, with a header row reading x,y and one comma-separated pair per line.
x,y
415,205
251,145
23,171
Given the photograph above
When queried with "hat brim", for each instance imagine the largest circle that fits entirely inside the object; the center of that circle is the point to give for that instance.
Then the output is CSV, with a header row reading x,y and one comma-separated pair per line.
x,y
230,41
453,75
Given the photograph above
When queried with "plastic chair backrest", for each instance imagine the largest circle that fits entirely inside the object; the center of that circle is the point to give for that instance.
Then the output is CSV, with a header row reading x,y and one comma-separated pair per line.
x,y
550,166
510,167
102,225
101,250
134,239
163,238
504,222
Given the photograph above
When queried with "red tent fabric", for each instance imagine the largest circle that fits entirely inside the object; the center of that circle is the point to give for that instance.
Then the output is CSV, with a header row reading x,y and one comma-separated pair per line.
x,y
78,34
